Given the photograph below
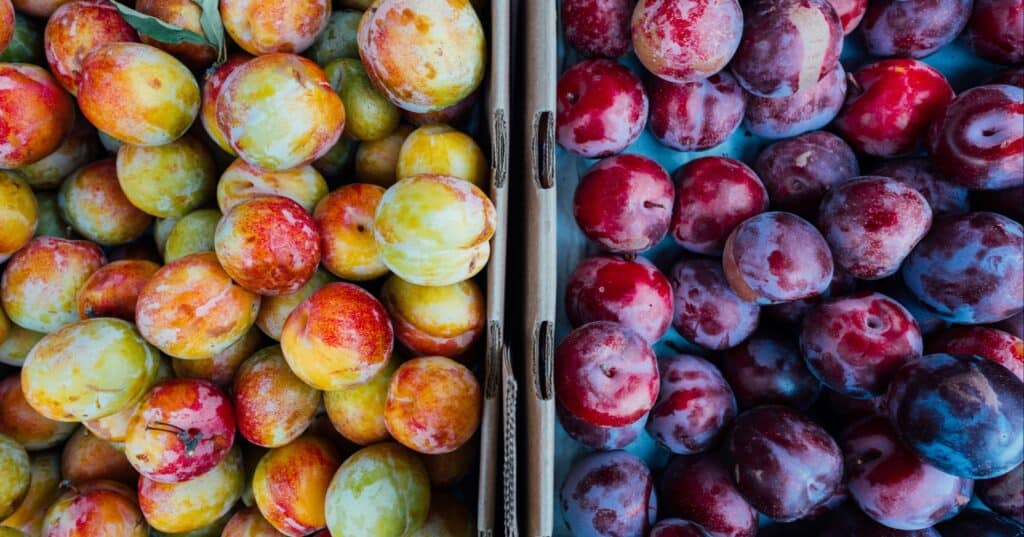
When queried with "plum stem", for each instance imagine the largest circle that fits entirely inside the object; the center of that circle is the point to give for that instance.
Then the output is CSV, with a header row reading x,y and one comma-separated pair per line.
x,y
190,439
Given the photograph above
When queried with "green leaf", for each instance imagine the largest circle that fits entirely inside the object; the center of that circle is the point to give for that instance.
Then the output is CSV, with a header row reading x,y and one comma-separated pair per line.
x,y
158,29
213,27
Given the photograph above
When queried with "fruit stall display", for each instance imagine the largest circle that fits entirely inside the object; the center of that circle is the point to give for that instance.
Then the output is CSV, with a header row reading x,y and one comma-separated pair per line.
x,y
244,250
790,268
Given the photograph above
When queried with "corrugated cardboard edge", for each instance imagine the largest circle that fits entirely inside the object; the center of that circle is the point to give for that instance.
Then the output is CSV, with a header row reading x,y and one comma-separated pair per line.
x,y
510,392
495,412
541,262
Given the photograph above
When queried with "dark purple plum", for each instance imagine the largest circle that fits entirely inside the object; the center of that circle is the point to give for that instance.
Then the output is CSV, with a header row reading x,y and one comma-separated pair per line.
x,y
766,371
943,196
783,463
849,410
707,311
1008,202
849,521
677,527
798,171
927,320
695,405
609,493
978,523
912,28
698,488
596,436
961,414
1004,494
807,110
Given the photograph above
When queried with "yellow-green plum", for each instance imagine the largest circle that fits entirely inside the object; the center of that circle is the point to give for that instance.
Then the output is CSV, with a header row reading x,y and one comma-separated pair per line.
x,y
357,412
242,181
15,474
17,345
80,147
186,170
369,115
19,213
192,233
338,40
43,489
435,321
274,310
377,161
442,150
198,502
51,223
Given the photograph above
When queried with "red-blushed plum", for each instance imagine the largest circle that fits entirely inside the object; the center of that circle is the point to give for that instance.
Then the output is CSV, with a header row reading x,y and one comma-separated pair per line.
x,y
291,481
1004,494
969,268
677,527
850,12
275,25
707,311
87,457
855,343
20,422
609,494
7,22
698,488
1008,202
212,86
633,293
692,116
713,196
944,197
442,320
961,414
272,405
849,521
344,220
798,171
596,436
196,503
601,108
74,30
979,523
783,463
686,40
872,224
92,201
787,46
914,28
1001,347
79,147
598,27
182,429
249,523
606,374
979,141
996,30
807,110
892,485
95,508
889,105
777,257
695,405
35,114
769,371
113,290
624,203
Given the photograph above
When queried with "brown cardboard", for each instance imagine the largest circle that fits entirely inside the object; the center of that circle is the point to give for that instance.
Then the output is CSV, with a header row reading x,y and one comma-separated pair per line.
x,y
496,411
540,200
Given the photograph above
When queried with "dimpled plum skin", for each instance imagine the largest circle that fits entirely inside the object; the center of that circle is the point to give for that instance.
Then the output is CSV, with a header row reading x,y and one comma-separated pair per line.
x,y
707,311
960,414
596,436
996,30
913,28
1001,347
783,463
850,12
196,503
787,46
713,196
872,224
269,245
113,290
435,321
777,257
624,203
692,116
769,371
1004,494
969,268
892,485
687,40
39,283
433,405
698,488
95,508
181,430
606,374
807,110
115,76
979,141
278,112
695,405
398,40
74,30
797,172
609,493
272,405
275,25
191,309
855,343
601,108
338,337
290,483
35,114
944,197
890,104
598,27
634,293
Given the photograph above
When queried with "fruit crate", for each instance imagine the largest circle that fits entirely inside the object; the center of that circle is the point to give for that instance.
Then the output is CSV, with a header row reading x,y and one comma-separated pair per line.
x,y
565,247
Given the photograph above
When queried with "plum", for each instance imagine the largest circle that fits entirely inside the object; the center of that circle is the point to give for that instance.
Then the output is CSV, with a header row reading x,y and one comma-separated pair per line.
x,y
713,196
1004,494
769,370
598,27
961,414
798,171
624,203
609,494
631,292
677,527
601,108
850,12
943,196
1001,347
995,30
849,521
808,109
596,436
695,405
783,463
698,488
969,268
692,116
912,28
707,311
686,40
